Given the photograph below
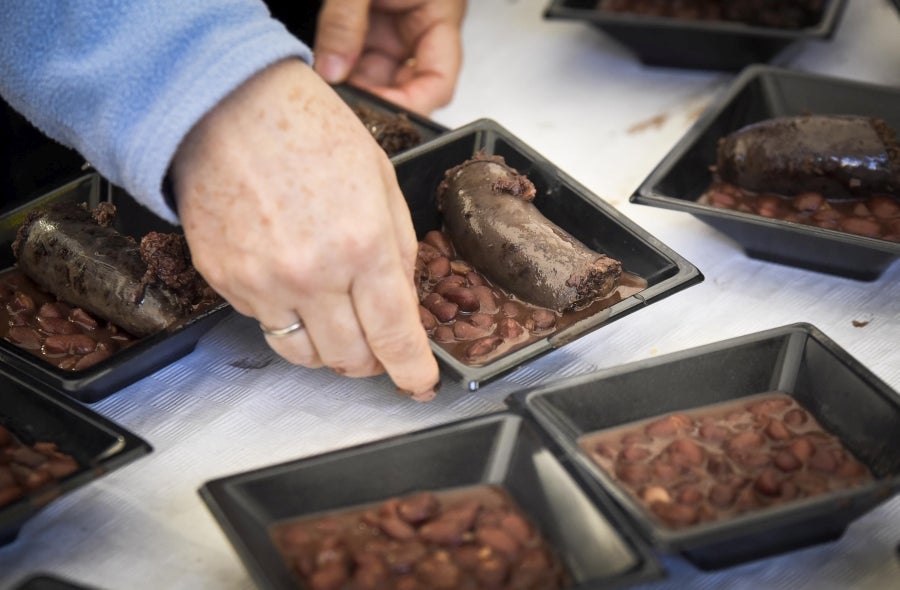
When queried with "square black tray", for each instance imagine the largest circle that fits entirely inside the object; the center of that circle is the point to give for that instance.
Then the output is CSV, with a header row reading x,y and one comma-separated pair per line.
x,y
713,45
141,358
35,413
799,360
763,92
500,449
563,201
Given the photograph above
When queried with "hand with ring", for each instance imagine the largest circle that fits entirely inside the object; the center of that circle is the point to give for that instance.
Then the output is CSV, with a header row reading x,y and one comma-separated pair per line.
x,y
406,51
292,210
281,332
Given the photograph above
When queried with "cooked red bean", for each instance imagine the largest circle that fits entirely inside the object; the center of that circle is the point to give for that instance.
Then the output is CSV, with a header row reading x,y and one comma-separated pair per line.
x,y
474,538
716,462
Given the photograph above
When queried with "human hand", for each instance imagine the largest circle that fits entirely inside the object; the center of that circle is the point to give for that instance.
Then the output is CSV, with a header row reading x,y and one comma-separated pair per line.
x,y
292,210
406,51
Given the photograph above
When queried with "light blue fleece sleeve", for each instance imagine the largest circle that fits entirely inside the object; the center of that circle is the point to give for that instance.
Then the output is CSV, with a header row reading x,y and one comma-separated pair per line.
x,y
123,81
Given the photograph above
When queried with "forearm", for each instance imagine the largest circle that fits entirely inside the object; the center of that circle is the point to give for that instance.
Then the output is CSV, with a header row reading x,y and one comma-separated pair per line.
x,y
124,82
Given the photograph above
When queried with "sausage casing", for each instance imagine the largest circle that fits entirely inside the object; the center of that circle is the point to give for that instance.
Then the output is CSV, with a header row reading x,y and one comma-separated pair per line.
x,y
838,156
93,266
488,213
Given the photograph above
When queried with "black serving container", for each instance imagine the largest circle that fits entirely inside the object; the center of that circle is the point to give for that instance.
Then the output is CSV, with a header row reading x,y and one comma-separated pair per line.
x,y
35,413
764,92
563,201
845,397
141,358
355,97
497,449
713,45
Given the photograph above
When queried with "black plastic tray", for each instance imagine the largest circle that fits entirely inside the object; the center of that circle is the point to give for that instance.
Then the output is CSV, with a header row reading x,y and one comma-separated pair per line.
x,y
35,413
713,45
128,365
844,396
355,96
502,449
763,92
562,200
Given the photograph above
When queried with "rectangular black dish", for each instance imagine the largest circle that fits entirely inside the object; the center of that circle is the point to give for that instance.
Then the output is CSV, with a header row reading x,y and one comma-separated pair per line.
x,y
501,449
564,202
35,413
680,43
132,363
357,97
799,360
759,93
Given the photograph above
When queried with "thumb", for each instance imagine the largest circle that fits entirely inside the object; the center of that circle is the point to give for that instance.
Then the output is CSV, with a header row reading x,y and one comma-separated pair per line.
x,y
340,34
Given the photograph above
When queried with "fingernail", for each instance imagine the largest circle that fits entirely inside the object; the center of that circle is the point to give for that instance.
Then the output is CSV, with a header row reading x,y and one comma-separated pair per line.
x,y
425,396
331,67
422,396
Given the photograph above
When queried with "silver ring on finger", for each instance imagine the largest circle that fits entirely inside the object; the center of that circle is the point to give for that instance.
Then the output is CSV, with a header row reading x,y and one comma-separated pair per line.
x,y
282,332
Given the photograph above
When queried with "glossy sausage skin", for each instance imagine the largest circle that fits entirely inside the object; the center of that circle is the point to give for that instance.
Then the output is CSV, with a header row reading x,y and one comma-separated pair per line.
x,y
838,156
487,211
94,267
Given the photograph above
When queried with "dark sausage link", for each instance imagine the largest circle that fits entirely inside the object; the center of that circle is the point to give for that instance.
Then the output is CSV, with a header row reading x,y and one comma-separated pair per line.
x,y
489,216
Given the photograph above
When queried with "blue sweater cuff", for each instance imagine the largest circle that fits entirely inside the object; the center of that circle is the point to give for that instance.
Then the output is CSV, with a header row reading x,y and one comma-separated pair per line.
x,y
124,82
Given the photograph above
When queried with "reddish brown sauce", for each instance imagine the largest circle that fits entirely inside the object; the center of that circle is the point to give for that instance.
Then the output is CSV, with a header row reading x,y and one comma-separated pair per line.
x,y
28,468
719,461
462,539
63,335
876,217
478,322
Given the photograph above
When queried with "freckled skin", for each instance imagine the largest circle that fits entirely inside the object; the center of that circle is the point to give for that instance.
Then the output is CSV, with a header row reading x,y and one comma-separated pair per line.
x,y
291,209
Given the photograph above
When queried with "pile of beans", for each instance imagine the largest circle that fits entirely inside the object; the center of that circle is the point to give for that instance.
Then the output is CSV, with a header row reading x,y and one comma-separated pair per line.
x,y
719,461
875,217
465,538
63,335
478,322
27,468
462,311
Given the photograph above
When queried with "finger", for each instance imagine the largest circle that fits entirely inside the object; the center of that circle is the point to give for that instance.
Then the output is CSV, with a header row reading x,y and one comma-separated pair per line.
x,y
340,34
398,209
392,325
296,345
374,69
421,84
338,336
394,330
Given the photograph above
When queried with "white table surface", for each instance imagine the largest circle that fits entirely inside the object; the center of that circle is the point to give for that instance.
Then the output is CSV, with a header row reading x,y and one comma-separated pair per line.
x,y
591,108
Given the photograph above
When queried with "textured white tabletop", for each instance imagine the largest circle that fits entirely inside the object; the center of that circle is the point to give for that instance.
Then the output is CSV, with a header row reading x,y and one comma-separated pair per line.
x,y
586,104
